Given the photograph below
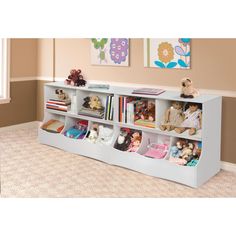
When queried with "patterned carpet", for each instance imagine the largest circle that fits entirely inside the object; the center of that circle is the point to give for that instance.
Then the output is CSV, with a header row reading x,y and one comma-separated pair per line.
x,y
29,169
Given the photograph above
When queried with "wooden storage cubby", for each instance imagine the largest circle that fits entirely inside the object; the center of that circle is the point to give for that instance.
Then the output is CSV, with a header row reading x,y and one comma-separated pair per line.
x,y
194,176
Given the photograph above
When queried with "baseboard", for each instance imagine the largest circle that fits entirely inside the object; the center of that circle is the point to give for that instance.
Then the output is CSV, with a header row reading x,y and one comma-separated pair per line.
x,y
22,125
227,166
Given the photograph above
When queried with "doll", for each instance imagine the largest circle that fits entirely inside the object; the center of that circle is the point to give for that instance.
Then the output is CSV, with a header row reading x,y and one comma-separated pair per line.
x,y
192,119
134,145
173,116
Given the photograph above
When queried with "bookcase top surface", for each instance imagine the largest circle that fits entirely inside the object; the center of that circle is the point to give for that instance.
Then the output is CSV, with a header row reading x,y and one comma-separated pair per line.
x,y
127,91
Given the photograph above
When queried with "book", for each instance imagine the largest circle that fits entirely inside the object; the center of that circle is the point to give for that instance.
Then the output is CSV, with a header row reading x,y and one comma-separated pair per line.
x,y
145,123
59,102
92,112
98,86
112,108
148,91
54,126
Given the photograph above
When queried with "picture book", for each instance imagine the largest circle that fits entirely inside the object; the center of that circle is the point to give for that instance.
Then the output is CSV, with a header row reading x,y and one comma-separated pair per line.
x,y
54,126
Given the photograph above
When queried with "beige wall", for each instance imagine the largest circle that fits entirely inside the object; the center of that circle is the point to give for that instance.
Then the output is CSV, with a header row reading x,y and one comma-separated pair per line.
x,y
23,58
213,64
45,58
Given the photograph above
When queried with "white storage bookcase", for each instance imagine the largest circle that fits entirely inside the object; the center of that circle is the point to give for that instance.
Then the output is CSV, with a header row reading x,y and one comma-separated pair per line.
x,y
209,135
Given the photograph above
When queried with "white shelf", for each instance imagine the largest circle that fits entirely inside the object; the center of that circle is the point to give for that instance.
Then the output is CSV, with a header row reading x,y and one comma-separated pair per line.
x,y
209,135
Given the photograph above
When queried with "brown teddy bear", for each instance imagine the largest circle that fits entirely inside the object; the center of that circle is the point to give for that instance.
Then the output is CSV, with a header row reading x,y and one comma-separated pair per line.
x,y
149,113
187,89
95,103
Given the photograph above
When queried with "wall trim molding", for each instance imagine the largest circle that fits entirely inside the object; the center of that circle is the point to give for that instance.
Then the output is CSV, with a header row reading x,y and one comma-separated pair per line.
x,y
224,93
227,166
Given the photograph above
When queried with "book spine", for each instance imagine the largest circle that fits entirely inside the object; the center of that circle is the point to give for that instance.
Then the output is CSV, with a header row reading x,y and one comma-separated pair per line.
x,y
111,108
106,109
56,105
123,110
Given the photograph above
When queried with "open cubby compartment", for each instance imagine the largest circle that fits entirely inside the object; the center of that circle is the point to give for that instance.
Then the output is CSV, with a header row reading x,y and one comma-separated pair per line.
x,y
51,116
50,93
70,122
197,145
162,106
81,95
131,115
152,138
106,133
117,134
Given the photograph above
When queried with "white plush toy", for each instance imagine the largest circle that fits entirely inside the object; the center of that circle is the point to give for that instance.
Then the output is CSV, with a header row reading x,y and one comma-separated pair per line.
x,y
105,135
93,136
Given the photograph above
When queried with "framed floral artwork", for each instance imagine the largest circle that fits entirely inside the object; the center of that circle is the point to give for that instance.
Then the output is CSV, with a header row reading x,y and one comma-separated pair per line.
x,y
167,53
113,51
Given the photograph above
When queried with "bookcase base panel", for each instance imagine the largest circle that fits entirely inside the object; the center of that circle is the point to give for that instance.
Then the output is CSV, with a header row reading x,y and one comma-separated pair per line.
x,y
153,167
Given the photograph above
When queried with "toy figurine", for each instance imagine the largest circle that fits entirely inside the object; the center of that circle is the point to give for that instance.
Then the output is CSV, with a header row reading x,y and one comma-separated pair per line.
x,y
187,89
192,119
105,134
173,117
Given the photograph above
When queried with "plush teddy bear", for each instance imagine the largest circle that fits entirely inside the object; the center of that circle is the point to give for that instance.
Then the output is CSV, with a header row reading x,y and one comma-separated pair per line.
x,y
95,103
86,102
173,117
75,78
149,113
187,89
105,134
61,94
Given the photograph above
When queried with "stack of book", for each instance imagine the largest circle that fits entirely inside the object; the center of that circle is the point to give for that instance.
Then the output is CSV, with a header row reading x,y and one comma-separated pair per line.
x,y
92,112
109,109
60,105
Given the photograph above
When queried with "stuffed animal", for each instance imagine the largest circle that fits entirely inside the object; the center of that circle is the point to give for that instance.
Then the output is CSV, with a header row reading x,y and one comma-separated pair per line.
x,y
175,151
61,94
187,152
192,119
187,89
95,103
105,135
173,117
149,112
93,133
123,141
75,78
86,102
